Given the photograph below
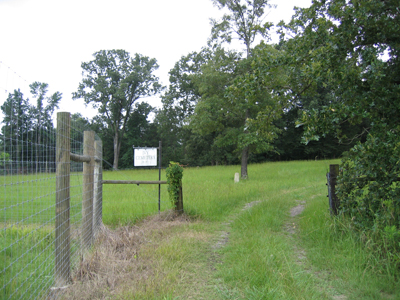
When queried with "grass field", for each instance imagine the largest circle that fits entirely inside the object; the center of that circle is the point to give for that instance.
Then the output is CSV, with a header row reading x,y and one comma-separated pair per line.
x,y
269,237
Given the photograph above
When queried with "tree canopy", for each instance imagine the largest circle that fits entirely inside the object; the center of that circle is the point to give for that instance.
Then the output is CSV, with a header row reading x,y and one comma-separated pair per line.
x,y
244,21
353,47
112,82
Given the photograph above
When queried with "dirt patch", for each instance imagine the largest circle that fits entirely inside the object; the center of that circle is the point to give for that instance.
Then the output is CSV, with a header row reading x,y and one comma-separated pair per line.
x,y
290,226
222,240
116,260
297,209
250,205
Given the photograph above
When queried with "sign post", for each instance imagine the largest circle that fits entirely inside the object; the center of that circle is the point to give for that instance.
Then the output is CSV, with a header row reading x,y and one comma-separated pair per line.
x,y
147,157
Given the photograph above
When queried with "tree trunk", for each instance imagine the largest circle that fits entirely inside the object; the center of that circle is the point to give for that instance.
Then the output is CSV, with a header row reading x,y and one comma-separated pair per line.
x,y
116,151
245,152
245,157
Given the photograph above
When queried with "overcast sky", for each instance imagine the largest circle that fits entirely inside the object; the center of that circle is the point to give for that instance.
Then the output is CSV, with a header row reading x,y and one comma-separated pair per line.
x,y
47,40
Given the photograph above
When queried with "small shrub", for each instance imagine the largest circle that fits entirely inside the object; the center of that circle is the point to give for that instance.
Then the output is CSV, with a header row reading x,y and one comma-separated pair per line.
x,y
174,178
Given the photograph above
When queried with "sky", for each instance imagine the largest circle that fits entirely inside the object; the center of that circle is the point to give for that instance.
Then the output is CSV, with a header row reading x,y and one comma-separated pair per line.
x,y
47,40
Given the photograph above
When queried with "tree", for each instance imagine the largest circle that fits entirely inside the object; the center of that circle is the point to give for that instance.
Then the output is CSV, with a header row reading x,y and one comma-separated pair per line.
x,y
16,125
353,47
140,133
245,22
112,82
4,161
41,115
178,104
227,106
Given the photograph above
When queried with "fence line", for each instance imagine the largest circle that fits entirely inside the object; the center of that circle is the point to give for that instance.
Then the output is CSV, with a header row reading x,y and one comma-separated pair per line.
x,y
51,210
42,240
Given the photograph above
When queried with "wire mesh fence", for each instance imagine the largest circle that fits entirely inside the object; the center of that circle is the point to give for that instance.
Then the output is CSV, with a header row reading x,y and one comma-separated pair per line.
x,y
44,228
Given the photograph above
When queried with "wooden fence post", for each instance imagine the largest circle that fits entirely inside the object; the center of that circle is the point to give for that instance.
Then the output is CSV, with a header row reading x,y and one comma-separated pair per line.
x,y
179,200
333,199
87,190
98,189
62,239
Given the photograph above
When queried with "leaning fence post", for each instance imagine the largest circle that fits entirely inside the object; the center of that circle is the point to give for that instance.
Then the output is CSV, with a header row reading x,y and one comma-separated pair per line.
x,y
333,199
87,190
62,238
98,189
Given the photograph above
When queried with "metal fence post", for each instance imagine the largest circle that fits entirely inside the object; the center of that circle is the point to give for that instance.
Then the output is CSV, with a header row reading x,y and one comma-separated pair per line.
x,y
87,190
62,239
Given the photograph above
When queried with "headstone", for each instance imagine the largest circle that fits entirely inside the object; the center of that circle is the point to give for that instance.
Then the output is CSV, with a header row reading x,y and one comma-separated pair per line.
x,y
236,177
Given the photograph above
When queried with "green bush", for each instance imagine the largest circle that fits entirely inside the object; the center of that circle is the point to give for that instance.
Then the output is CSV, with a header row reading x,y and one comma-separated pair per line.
x,y
174,178
367,187
369,192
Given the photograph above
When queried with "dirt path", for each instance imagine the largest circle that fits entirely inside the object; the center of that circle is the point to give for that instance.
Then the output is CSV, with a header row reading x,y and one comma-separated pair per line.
x,y
117,264
291,228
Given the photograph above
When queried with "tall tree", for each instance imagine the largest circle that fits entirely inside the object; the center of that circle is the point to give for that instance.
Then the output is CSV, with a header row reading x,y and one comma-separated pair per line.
x,y
240,113
178,104
16,125
42,118
112,82
353,47
140,133
245,21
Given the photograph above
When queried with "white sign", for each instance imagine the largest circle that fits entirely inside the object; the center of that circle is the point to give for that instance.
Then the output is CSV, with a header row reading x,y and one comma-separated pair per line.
x,y
145,157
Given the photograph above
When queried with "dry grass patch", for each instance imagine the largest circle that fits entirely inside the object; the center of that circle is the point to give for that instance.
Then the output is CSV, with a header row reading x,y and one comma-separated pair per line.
x,y
125,262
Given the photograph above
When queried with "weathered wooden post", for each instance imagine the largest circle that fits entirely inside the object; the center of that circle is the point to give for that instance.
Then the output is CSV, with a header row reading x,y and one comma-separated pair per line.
x,y
98,189
87,190
333,199
179,200
62,238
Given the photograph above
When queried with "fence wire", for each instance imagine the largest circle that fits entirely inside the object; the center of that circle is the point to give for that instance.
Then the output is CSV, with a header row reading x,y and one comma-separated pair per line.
x,y
28,208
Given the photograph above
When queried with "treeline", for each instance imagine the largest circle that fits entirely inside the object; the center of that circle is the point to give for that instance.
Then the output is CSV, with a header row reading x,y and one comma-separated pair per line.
x,y
28,134
27,141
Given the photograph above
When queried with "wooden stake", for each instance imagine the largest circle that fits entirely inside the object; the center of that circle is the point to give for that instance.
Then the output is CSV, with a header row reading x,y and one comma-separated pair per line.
x,y
62,239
